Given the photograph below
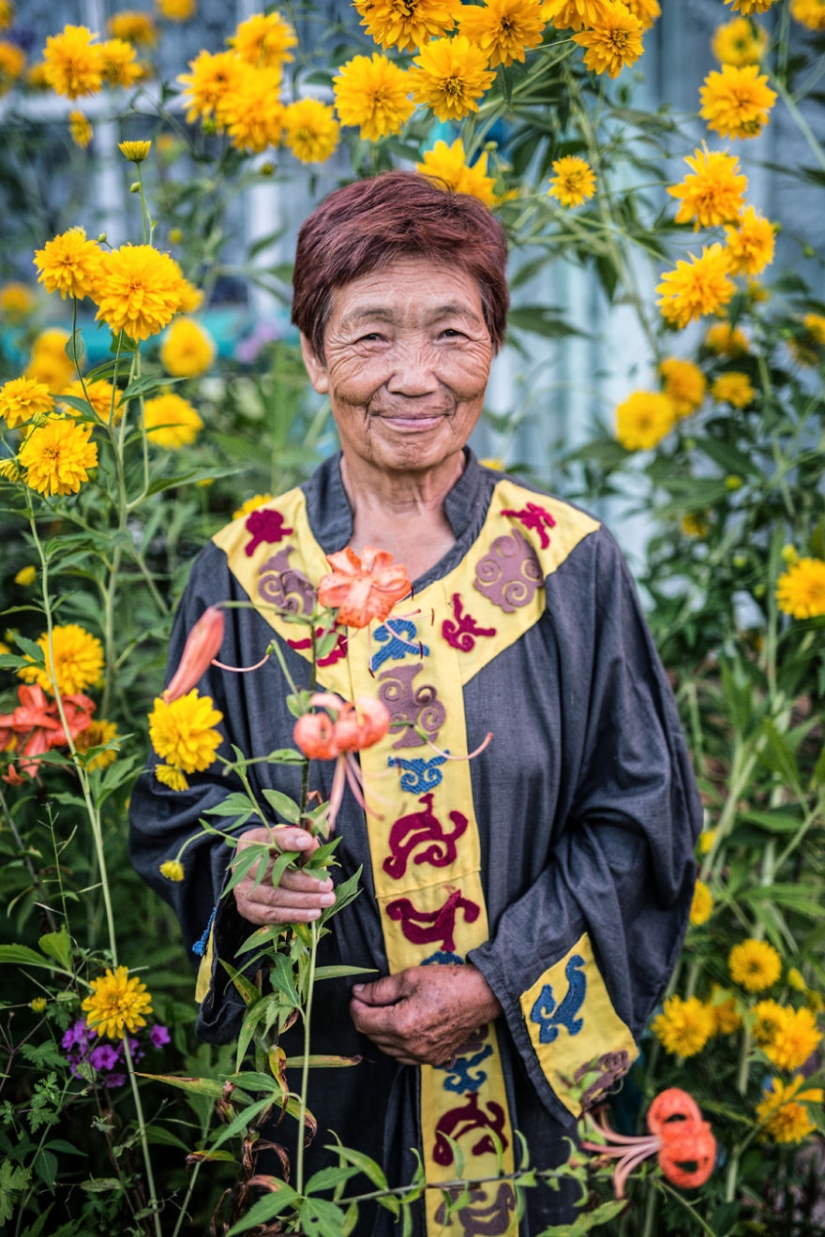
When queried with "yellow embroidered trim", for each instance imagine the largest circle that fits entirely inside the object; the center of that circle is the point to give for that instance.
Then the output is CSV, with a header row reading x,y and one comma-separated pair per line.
x,y
574,1029
205,968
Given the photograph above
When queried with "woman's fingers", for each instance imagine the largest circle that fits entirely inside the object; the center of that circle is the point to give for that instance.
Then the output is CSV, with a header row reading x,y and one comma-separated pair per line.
x,y
300,895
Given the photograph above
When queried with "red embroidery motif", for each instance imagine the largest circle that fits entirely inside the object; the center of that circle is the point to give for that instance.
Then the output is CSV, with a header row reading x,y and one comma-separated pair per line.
x,y
410,831
264,526
460,634
432,927
339,650
459,1121
410,707
536,518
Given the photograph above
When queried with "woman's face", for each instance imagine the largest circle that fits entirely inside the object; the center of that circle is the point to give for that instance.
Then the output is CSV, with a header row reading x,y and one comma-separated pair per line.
x,y
407,361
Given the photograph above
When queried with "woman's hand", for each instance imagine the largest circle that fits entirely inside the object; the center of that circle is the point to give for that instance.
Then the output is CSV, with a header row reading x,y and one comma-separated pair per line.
x,y
299,898
423,1015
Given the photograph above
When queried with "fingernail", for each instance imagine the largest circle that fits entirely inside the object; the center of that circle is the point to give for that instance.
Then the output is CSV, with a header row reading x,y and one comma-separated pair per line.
x,y
358,987
327,899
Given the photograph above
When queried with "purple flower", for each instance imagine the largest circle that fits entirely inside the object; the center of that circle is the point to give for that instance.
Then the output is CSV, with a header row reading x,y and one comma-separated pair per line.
x,y
76,1035
159,1035
104,1057
114,1080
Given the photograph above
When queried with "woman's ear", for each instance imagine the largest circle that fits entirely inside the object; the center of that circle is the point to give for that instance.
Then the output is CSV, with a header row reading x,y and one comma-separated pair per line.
x,y
315,367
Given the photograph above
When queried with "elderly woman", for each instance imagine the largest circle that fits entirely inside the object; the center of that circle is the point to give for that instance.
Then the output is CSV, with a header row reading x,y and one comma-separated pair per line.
x,y
523,910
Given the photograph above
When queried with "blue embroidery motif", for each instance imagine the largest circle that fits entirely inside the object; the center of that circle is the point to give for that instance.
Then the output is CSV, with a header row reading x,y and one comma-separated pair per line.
x,y
544,1012
443,957
459,1078
419,775
400,639
199,947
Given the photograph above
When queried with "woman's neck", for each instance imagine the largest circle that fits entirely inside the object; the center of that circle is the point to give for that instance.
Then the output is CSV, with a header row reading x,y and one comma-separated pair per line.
x,y
402,513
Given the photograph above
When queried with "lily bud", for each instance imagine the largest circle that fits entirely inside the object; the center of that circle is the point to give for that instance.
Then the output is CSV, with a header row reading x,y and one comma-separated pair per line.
x,y
202,644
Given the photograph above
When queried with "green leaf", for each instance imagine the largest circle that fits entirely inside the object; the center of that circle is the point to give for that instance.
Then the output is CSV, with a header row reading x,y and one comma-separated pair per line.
x,y
808,899
779,756
338,972
319,1218
282,978
283,805
541,320
776,821
265,1209
322,1061
248,991
198,1086
329,1178
236,804
374,1172
58,945
21,955
147,384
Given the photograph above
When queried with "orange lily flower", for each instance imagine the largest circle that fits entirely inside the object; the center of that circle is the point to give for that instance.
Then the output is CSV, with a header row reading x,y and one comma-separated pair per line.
x,y
363,589
202,645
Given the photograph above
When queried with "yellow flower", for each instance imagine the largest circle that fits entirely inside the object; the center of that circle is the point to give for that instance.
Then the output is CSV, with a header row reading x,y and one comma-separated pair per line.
x,y
251,111
644,419
573,14
98,734
12,64
172,870
187,349
809,13
80,129
373,93
685,1026
706,840
171,421
733,388
702,905
714,194
795,977
6,14
134,27
51,342
134,152
38,1004
117,1004
767,1016
70,264
191,298
749,6
647,11
406,25
57,456
212,76
264,40
696,524
814,324
725,1015
701,286
504,29
251,504
169,776
800,591
757,292
311,131
53,369
574,181
120,66
177,10
739,42
750,243
449,76
736,100
23,398
16,301
76,661
685,384
105,399
26,576
183,732
73,63
615,42
754,965
9,471
727,340
782,1110
446,167
138,290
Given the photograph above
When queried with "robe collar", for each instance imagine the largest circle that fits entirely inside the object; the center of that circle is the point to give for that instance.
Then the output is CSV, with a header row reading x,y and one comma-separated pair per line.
x,y
466,506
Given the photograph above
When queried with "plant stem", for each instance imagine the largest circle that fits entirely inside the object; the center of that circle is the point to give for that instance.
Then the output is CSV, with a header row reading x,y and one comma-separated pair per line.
x,y
307,1015
147,1161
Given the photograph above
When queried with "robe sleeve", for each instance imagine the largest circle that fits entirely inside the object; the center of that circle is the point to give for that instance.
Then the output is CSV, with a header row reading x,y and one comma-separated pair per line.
x,y
581,958
162,820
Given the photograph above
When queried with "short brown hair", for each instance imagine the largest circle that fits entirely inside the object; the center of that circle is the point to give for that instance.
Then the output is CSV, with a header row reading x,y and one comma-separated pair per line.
x,y
368,224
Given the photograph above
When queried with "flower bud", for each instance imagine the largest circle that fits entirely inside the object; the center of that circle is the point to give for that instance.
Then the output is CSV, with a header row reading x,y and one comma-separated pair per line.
x,y
202,644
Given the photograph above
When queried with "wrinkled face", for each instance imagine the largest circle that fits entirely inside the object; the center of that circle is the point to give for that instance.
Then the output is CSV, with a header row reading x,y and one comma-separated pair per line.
x,y
407,361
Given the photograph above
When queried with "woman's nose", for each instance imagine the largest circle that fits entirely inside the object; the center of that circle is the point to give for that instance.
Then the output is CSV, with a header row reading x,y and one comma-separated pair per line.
x,y
413,372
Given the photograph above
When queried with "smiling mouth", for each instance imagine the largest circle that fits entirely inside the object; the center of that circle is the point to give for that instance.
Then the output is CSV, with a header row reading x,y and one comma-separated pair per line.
x,y
412,422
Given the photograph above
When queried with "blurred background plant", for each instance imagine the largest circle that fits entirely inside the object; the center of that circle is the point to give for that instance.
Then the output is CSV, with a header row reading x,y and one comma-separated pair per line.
x,y
670,381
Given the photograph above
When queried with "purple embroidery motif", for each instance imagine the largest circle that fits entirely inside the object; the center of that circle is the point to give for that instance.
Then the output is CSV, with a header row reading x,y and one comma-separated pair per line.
x,y
265,526
285,586
509,573
410,707
461,633
480,1217
411,831
535,517
611,1066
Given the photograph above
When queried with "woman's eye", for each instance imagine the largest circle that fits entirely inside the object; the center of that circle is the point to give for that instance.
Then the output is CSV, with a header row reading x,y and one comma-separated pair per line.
x,y
452,333
371,338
